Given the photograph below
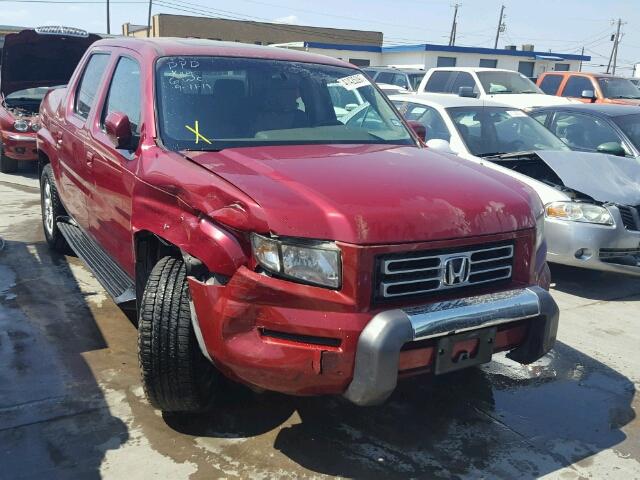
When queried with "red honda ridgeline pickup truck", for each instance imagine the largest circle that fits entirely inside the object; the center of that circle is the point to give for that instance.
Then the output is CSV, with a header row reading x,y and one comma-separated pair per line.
x,y
221,194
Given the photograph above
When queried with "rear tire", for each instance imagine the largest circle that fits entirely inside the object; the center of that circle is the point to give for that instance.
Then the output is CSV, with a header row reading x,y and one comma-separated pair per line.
x,y
7,165
51,209
175,374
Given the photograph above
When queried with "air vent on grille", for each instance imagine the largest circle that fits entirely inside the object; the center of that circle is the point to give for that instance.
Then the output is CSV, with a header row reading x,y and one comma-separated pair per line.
x,y
419,273
630,216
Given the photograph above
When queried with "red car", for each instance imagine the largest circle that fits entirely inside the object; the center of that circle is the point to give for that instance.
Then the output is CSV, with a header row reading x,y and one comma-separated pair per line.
x,y
217,197
33,61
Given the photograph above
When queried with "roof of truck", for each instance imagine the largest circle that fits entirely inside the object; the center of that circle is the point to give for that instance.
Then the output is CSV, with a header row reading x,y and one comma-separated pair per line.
x,y
445,100
472,69
168,46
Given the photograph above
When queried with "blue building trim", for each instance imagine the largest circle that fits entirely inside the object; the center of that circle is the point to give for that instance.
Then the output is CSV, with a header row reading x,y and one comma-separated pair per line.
x,y
428,47
340,46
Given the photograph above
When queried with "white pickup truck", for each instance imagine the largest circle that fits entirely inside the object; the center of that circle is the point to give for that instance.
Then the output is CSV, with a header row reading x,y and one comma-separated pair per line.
x,y
506,86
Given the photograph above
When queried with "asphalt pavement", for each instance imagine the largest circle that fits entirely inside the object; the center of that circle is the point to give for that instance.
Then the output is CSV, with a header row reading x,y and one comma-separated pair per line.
x,y
71,403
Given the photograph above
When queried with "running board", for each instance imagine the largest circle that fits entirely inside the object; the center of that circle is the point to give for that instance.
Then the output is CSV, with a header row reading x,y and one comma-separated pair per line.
x,y
114,280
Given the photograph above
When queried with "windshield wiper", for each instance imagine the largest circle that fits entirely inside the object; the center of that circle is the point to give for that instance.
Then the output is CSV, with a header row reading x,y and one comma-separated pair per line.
x,y
627,97
492,154
528,91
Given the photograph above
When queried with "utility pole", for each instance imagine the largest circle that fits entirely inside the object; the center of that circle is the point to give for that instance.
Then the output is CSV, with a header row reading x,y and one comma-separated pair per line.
x,y
108,20
454,26
149,19
613,58
582,55
500,27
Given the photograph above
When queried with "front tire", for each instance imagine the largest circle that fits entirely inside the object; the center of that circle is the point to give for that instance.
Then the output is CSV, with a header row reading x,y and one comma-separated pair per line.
x,y
175,374
52,209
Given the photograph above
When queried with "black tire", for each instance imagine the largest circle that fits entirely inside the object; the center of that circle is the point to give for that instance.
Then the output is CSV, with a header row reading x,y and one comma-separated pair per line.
x,y
51,231
175,374
7,165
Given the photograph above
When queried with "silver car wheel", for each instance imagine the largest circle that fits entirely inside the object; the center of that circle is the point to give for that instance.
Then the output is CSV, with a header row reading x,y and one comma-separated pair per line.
x,y
48,209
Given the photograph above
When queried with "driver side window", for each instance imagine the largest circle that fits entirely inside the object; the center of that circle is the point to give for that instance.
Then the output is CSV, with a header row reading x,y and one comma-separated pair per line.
x,y
124,93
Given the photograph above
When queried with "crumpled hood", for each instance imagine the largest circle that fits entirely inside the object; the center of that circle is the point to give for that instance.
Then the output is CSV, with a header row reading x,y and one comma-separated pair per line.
x,y
605,178
530,100
373,194
31,59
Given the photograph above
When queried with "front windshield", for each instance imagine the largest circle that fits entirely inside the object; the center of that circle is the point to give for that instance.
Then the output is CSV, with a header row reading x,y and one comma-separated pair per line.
x,y
489,131
495,83
630,125
415,79
618,88
212,103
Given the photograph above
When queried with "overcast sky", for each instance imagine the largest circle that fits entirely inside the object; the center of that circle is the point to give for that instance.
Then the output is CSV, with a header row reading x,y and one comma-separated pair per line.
x,y
562,26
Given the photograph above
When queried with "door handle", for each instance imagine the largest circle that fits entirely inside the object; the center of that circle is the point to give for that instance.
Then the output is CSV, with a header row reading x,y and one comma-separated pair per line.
x,y
58,137
89,158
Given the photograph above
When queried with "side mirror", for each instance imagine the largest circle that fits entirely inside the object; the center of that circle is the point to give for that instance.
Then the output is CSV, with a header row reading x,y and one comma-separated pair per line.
x,y
588,94
118,129
419,129
612,148
467,92
351,106
440,145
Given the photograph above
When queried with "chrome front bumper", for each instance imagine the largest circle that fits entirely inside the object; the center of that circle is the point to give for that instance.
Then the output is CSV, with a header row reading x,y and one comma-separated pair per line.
x,y
376,366
585,245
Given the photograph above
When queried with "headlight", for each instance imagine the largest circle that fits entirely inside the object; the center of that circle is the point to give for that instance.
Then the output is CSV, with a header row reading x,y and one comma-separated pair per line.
x,y
35,127
21,125
317,263
579,212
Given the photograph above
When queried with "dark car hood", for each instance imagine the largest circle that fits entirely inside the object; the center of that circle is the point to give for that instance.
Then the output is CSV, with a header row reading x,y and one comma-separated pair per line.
x,y
372,194
31,59
605,178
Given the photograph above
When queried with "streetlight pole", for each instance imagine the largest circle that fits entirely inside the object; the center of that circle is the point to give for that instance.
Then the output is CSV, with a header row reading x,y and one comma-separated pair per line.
x,y
454,26
495,45
149,19
108,20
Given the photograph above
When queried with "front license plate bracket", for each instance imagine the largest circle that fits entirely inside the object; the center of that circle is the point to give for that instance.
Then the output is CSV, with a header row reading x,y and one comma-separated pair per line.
x,y
445,362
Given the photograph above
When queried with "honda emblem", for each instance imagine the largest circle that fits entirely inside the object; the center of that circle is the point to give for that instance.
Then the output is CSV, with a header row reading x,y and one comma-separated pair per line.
x,y
456,271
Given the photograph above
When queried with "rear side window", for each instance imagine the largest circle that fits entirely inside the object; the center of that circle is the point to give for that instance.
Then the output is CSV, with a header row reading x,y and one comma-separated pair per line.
x,y
463,79
89,83
400,79
124,93
428,116
576,85
438,82
385,77
550,84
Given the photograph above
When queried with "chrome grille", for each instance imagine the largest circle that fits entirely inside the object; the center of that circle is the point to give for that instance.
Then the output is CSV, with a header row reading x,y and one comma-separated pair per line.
x,y
630,217
421,273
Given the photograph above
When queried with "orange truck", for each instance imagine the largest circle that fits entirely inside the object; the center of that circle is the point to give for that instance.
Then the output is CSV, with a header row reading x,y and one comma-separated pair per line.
x,y
590,87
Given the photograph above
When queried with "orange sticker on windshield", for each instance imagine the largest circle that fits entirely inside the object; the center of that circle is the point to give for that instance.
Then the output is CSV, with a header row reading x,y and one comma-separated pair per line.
x,y
196,131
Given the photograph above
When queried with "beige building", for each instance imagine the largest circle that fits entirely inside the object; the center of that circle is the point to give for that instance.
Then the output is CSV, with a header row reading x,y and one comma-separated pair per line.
x,y
259,33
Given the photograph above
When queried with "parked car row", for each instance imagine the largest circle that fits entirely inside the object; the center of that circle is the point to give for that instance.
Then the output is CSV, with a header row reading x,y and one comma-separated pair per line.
x,y
592,200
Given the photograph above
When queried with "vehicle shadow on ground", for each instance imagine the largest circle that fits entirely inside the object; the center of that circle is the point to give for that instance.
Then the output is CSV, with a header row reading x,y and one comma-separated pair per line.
x,y
499,421
54,419
593,284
